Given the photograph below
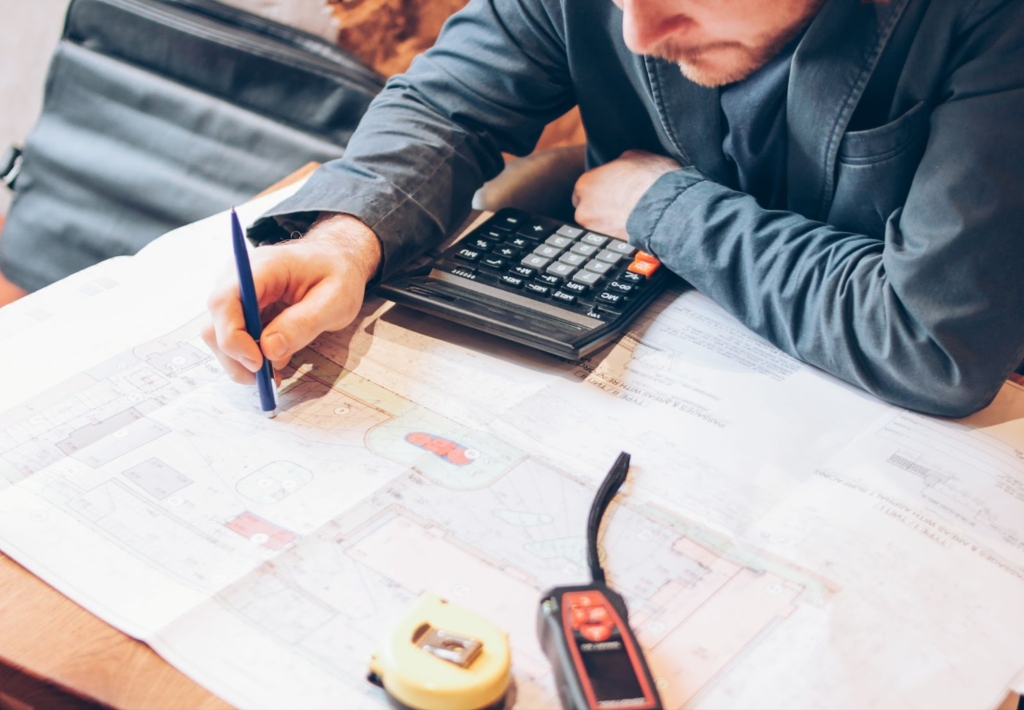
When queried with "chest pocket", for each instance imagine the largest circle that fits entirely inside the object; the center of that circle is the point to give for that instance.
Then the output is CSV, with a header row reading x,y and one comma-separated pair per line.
x,y
874,170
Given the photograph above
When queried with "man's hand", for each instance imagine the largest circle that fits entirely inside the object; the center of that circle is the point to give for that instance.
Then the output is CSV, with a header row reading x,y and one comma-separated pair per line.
x,y
307,286
604,197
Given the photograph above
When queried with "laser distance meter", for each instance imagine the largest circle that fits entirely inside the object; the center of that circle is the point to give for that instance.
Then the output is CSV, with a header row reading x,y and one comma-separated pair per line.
x,y
584,631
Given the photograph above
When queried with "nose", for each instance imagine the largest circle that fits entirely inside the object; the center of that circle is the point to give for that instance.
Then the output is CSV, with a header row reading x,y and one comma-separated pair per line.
x,y
646,23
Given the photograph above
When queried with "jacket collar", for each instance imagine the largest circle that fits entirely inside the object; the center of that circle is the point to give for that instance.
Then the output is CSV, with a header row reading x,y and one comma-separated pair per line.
x,y
831,68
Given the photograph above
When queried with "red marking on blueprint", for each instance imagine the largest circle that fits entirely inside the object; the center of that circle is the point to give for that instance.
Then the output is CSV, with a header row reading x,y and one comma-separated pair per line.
x,y
448,450
248,525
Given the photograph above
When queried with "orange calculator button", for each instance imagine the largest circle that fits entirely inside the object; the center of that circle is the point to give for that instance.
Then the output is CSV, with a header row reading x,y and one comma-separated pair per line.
x,y
643,267
645,256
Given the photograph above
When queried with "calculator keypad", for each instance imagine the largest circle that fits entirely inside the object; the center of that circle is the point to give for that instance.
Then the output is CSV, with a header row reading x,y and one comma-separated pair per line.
x,y
563,265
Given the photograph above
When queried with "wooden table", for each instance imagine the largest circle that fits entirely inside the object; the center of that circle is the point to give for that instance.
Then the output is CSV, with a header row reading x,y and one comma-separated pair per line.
x,y
55,654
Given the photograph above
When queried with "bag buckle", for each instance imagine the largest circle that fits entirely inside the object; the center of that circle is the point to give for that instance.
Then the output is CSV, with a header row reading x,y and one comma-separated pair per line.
x,y
10,166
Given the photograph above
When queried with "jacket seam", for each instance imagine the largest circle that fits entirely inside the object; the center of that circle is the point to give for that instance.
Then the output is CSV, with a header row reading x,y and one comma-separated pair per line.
x,y
832,153
659,104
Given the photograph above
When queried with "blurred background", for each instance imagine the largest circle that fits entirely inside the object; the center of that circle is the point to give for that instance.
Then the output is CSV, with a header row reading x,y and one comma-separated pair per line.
x,y
386,34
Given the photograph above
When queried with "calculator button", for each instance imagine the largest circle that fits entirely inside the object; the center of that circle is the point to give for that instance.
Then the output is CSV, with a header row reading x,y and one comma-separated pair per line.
x,y
535,262
564,297
467,254
507,220
572,232
620,247
524,271
513,281
609,257
594,239
558,242
584,249
606,298
495,235
573,260
615,286
561,270
633,278
493,262
546,251
645,256
479,243
552,280
587,278
644,268
538,228
520,242
599,267
538,289
507,252
575,286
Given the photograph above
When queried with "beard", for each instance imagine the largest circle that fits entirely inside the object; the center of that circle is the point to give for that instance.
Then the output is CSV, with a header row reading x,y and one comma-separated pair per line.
x,y
735,62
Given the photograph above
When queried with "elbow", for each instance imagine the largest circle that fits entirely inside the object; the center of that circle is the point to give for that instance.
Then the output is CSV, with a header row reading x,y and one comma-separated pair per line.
x,y
957,391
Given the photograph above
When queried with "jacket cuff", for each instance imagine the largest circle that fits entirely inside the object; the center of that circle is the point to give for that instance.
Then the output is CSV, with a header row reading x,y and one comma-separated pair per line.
x,y
402,226
643,221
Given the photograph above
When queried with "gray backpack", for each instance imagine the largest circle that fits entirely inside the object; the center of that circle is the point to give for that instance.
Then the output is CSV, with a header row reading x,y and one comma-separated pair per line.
x,y
161,112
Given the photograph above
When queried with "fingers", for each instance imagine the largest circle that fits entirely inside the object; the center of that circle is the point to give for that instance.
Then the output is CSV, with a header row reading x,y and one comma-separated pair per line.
x,y
328,306
226,336
235,370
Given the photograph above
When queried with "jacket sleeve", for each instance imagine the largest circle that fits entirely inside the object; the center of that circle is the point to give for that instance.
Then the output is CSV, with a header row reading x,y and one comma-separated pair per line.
x,y
496,76
930,318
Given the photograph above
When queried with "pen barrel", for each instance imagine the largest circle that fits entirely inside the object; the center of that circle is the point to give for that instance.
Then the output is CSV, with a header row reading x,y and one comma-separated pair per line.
x,y
265,385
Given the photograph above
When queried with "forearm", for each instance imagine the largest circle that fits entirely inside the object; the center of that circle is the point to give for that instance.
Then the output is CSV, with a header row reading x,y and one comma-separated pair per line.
x,y
840,301
436,133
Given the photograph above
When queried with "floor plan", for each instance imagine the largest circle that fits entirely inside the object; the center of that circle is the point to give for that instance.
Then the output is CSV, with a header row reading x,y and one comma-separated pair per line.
x,y
782,539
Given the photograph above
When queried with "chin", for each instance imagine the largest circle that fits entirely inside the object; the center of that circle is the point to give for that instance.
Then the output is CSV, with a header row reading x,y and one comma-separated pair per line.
x,y
711,76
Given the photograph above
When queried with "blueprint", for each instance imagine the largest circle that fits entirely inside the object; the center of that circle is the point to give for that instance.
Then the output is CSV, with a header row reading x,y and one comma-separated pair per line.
x,y
782,540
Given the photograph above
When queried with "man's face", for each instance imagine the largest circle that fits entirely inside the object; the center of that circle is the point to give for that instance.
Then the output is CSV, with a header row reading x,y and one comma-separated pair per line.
x,y
714,42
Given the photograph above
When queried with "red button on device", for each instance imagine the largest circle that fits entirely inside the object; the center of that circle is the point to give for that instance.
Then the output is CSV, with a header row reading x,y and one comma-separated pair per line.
x,y
596,632
579,616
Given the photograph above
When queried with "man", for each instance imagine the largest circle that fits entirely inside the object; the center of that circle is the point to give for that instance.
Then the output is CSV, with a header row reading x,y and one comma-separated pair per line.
x,y
845,177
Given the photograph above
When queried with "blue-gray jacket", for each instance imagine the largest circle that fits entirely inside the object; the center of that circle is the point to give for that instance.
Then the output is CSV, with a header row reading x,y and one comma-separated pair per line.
x,y
899,265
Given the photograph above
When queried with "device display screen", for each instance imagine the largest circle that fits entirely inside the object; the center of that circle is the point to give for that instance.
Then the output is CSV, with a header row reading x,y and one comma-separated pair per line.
x,y
611,674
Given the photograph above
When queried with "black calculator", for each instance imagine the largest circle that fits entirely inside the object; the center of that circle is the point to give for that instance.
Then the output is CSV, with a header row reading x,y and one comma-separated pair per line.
x,y
535,280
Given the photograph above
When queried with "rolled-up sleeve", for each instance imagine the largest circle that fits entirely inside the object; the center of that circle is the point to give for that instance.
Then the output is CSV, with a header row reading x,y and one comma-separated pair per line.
x,y
496,76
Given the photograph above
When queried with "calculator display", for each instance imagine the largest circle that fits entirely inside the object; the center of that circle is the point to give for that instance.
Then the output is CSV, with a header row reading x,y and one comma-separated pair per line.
x,y
538,281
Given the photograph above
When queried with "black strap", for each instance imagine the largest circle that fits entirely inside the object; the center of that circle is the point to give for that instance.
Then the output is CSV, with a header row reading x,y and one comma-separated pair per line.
x,y
10,166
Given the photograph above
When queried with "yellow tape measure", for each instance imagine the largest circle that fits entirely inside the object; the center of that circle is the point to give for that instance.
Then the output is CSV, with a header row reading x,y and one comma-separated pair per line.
x,y
444,657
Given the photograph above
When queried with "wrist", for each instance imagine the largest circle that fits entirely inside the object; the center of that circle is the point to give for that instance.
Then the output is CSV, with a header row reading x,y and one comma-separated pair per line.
x,y
349,239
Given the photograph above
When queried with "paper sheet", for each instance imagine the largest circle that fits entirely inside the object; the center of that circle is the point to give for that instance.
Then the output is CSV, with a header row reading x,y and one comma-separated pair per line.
x,y
784,540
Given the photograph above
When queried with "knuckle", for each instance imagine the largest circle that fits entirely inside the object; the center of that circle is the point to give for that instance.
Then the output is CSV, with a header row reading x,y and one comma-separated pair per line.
x,y
208,333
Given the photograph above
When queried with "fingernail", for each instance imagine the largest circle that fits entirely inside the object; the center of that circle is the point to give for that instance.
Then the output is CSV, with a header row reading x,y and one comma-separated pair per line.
x,y
273,346
252,365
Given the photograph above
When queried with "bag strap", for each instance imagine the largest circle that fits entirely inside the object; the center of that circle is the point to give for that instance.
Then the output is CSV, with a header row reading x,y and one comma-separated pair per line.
x,y
10,166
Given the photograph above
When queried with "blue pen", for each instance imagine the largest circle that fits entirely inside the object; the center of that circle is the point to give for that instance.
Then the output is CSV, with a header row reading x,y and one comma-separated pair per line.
x,y
251,311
